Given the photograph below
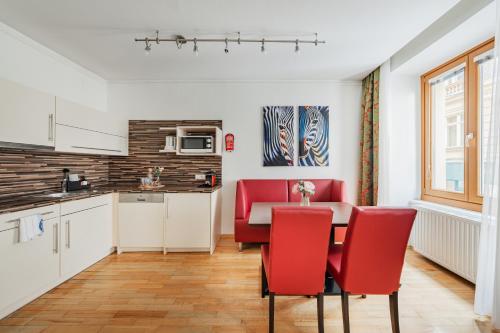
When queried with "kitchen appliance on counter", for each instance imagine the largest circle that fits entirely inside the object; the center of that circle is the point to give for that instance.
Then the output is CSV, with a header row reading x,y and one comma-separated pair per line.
x,y
73,182
195,144
210,179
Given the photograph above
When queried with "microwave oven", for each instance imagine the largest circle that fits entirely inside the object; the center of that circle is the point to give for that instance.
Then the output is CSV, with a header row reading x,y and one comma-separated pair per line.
x,y
196,144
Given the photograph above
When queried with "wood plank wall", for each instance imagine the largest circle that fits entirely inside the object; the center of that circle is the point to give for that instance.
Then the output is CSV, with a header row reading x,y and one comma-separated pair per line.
x,y
145,142
27,172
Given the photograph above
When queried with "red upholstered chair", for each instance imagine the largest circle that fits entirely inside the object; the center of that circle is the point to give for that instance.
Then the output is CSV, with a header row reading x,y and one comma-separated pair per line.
x,y
294,261
371,259
327,190
249,191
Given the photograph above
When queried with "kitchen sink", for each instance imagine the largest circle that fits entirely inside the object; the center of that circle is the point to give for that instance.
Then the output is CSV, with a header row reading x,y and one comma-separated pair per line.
x,y
57,195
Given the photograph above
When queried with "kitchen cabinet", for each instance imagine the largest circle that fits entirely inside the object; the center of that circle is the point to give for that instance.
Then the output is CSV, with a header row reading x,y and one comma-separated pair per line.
x,y
31,268
86,233
77,140
80,129
80,116
27,116
141,222
192,221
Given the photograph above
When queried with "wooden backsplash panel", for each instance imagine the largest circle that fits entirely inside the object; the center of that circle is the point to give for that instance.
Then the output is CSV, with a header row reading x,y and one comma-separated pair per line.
x,y
145,142
35,171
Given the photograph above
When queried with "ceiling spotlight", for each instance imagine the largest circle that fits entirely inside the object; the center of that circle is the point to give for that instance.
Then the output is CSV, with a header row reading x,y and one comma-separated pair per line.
x,y
179,41
195,47
147,49
297,46
226,50
262,47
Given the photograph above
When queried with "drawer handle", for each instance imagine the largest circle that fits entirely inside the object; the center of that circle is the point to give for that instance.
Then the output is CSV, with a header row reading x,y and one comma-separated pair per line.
x,y
93,148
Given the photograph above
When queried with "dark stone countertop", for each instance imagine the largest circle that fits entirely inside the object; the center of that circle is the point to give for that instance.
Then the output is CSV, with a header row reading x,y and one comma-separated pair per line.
x,y
39,200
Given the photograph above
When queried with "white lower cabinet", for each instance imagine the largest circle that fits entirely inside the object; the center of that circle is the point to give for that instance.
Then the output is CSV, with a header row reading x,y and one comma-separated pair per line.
x,y
192,221
76,235
86,236
27,269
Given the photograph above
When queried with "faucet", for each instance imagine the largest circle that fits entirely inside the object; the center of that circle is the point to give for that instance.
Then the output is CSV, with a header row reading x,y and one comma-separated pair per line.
x,y
64,183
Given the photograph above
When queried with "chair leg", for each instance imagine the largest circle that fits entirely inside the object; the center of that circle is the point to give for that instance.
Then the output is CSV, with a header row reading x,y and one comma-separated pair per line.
x,y
271,312
363,296
321,323
393,303
345,311
263,280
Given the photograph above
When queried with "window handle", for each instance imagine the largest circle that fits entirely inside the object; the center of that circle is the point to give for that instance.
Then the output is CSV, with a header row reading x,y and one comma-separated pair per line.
x,y
468,138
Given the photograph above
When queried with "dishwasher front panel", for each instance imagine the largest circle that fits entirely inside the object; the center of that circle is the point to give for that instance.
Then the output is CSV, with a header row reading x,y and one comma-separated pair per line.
x,y
141,226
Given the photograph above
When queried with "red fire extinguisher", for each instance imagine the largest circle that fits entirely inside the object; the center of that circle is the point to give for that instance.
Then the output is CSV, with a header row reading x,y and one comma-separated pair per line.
x,y
229,142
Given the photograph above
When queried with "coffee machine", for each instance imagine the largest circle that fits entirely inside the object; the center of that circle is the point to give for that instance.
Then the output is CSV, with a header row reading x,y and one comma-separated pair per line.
x,y
210,179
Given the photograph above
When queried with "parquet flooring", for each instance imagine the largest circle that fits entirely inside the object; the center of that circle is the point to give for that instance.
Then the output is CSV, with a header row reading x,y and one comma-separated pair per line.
x,y
150,292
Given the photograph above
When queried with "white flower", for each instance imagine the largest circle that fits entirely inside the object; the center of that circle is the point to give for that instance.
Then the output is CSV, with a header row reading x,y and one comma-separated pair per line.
x,y
304,187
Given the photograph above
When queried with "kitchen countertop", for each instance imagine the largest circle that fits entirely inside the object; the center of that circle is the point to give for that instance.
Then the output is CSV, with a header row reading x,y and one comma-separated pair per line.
x,y
39,200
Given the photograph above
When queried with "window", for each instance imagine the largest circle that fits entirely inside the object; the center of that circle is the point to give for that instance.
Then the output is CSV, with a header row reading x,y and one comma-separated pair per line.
x,y
456,103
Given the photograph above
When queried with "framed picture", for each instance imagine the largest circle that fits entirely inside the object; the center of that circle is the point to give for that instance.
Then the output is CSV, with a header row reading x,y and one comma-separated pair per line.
x,y
313,135
278,136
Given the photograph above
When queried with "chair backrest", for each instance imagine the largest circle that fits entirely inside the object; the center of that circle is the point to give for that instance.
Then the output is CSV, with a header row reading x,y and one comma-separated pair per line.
x,y
298,249
374,249
249,191
327,190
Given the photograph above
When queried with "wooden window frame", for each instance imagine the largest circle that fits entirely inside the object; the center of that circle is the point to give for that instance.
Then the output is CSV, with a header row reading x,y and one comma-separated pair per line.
x,y
470,198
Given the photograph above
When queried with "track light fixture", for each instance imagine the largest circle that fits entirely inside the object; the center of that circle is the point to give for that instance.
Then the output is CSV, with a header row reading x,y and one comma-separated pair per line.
x,y
147,49
180,40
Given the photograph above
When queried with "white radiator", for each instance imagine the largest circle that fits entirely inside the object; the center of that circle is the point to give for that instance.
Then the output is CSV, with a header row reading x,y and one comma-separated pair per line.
x,y
448,236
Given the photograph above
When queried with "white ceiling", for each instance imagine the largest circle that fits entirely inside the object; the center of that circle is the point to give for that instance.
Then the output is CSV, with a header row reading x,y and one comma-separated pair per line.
x,y
99,35
477,29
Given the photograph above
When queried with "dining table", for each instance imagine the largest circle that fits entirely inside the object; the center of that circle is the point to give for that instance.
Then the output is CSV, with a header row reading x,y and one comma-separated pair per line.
x,y
261,215
261,212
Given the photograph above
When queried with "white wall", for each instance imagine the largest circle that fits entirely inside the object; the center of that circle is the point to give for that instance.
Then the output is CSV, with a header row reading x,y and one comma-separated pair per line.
x,y
239,105
24,61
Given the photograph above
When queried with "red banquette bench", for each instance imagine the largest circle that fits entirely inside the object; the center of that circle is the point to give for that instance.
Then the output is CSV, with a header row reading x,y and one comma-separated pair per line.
x,y
249,191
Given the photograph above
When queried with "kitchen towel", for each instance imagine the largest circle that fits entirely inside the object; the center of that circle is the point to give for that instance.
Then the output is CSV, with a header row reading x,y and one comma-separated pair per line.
x,y
30,227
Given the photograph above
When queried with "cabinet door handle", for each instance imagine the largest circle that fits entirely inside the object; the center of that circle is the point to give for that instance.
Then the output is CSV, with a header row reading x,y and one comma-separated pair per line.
x,y
68,234
56,238
51,127
168,210
94,148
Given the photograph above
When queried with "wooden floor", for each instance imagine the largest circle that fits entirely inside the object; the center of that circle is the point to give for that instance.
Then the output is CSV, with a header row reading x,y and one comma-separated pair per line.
x,y
150,292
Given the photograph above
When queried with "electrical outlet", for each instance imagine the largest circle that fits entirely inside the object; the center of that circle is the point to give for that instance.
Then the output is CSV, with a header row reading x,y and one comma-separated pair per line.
x,y
199,177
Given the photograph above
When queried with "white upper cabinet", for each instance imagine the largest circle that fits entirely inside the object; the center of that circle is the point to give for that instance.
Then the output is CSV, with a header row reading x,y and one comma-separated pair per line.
x,y
27,116
80,129
76,115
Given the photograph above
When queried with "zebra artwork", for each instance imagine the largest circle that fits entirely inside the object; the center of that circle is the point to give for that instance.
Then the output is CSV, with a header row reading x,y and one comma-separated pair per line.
x,y
278,135
313,136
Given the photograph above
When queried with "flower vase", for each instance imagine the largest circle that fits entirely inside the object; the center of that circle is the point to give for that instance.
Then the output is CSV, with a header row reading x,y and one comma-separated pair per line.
x,y
305,201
